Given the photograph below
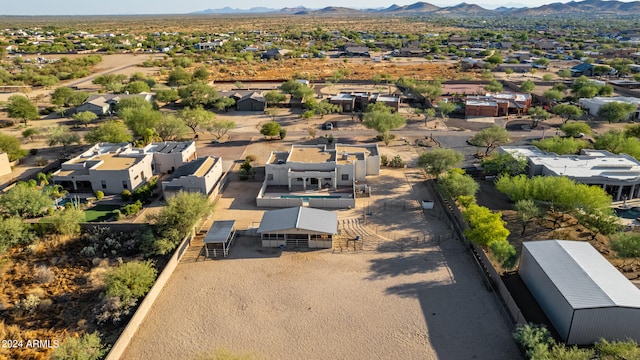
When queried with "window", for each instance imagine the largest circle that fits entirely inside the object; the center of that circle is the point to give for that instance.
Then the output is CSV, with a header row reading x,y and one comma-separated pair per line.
x,y
104,184
124,184
345,177
270,177
299,179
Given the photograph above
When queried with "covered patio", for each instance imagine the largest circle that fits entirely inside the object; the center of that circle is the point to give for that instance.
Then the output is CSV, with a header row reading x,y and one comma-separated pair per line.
x,y
219,238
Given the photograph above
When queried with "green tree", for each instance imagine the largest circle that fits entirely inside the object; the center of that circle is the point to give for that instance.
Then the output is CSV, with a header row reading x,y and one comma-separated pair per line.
x,y
493,86
564,73
67,221
198,94
224,103
61,95
567,112
87,347
495,59
13,230
445,108
11,145
324,108
602,221
538,113
176,220
527,86
19,107
113,131
575,129
196,118
616,111
560,145
485,226
141,121
274,97
617,349
134,102
383,123
490,138
618,142
167,95
456,184
201,74
270,129
553,95
30,133
170,127
504,163
84,117
62,135
130,280
179,77
527,210
137,87
439,160
111,82
24,200
547,77
221,127
431,90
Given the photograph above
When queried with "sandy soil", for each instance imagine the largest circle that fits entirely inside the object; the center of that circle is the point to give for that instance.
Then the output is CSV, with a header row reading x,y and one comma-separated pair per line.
x,y
416,300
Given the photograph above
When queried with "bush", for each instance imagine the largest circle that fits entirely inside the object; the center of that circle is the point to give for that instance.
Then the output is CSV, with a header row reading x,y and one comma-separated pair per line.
x,y
106,243
43,274
129,281
112,309
144,192
384,160
87,347
117,214
28,305
330,139
250,158
33,151
99,195
125,195
283,134
626,245
397,162
132,209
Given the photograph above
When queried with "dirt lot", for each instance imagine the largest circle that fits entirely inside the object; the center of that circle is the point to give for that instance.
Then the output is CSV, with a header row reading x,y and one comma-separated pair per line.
x,y
423,302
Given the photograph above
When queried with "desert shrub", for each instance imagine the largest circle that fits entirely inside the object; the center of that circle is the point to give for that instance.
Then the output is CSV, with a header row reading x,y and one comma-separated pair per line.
x,y
105,243
87,347
330,139
117,214
33,151
397,162
99,195
125,195
251,158
223,354
67,222
132,209
43,274
617,349
626,245
112,309
131,280
28,305
384,160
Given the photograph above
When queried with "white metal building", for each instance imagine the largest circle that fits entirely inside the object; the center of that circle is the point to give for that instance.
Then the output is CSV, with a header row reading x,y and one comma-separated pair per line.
x,y
298,227
583,295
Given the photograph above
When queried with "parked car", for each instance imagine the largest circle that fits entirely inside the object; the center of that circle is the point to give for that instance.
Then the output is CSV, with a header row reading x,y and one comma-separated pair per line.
x,y
329,126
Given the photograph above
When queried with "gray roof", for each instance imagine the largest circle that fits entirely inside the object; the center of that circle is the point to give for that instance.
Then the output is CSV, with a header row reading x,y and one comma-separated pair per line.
x,y
302,218
583,276
219,231
169,147
189,168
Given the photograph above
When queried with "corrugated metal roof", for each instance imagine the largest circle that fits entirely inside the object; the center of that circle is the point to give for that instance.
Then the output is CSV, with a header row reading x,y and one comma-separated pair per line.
x,y
303,218
583,276
219,231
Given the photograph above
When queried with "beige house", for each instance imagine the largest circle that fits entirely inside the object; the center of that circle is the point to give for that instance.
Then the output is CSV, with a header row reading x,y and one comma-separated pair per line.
x,y
318,176
200,175
112,168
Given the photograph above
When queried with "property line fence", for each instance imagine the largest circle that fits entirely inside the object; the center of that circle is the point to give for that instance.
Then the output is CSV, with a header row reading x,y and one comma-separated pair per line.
x,y
490,276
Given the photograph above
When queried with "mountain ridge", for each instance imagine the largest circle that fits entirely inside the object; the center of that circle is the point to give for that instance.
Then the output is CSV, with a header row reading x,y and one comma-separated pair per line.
x,y
596,7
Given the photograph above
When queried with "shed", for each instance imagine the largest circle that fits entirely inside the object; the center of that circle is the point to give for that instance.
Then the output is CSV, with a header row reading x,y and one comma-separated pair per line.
x,y
298,227
583,295
219,238
254,101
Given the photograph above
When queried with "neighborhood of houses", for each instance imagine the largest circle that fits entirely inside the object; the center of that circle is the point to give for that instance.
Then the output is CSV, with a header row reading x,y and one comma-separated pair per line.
x,y
583,296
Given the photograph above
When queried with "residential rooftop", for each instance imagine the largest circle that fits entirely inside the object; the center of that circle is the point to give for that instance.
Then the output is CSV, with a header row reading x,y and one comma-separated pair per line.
x,y
311,154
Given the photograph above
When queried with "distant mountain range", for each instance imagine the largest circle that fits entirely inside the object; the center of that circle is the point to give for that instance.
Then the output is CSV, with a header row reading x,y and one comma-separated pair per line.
x,y
585,8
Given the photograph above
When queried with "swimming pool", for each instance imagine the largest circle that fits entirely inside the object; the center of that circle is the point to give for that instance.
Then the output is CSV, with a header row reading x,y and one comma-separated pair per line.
x,y
630,213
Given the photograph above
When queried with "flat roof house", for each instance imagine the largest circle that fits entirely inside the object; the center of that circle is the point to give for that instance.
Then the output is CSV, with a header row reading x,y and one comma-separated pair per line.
x,y
497,104
112,168
200,175
593,105
618,175
583,295
316,168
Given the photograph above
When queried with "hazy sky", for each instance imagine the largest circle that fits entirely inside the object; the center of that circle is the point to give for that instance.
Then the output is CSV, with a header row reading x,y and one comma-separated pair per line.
x,y
88,7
